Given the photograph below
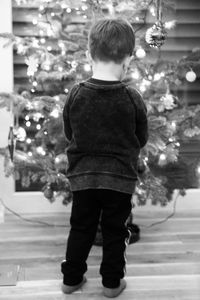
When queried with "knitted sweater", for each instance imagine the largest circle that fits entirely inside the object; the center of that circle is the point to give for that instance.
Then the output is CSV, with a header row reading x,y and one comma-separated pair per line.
x,y
105,123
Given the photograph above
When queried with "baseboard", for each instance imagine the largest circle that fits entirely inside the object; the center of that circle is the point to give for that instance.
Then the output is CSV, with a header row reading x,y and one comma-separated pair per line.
x,y
33,203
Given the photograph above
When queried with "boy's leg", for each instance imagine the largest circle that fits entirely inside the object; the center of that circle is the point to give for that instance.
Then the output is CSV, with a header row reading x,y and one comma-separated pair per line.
x,y
116,207
84,221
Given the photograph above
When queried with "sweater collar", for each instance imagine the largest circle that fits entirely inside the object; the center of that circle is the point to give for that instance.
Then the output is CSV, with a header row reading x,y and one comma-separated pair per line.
x,y
102,84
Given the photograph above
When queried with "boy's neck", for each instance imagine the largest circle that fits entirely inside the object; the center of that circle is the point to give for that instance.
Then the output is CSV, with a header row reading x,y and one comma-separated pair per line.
x,y
107,71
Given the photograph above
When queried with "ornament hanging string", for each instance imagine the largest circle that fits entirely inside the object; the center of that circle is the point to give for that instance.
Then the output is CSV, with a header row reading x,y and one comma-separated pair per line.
x,y
159,10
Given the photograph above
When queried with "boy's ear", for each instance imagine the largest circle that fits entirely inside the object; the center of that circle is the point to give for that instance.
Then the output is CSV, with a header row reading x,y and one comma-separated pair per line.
x,y
127,62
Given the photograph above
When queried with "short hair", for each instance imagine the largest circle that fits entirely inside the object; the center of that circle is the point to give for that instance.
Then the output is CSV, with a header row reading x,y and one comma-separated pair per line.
x,y
111,39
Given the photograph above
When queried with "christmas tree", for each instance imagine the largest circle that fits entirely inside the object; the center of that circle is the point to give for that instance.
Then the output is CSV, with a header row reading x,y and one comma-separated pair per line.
x,y
56,60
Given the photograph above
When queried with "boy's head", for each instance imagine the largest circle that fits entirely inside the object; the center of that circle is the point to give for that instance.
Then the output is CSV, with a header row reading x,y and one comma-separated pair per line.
x,y
111,39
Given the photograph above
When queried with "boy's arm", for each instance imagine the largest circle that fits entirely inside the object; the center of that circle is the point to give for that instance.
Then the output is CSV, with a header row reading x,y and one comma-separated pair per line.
x,y
141,121
66,119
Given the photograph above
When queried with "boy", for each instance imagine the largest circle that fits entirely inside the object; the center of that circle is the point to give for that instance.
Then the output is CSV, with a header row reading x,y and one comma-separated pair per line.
x,y
106,125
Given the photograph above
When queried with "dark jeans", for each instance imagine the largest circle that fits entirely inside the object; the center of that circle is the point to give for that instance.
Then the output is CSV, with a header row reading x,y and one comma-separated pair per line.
x,y
114,208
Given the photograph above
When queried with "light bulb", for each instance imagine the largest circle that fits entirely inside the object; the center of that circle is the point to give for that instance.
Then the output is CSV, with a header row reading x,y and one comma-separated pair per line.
x,y
87,67
135,74
55,113
42,41
49,48
140,53
28,141
40,150
35,21
162,156
173,124
198,169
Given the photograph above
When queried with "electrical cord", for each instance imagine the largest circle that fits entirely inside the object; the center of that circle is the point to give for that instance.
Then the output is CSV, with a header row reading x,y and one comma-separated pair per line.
x,y
28,219
55,225
165,219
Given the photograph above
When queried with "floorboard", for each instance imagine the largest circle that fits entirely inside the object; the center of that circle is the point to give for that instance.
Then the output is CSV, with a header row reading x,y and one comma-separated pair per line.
x,y
163,265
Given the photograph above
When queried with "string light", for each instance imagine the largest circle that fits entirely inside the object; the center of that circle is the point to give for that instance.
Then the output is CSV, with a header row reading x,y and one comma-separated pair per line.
x,y
38,126
35,21
28,124
135,74
162,159
28,141
152,10
42,40
84,7
61,44
173,124
158,76
87,67
140,53
55,113
27,118
60,68
198,170
41,32
49,48
162,156
40,150
30,153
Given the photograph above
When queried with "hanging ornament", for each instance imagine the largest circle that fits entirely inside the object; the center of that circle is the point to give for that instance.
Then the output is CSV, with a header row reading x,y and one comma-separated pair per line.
x,y
156,35
191,76
48,192
11,142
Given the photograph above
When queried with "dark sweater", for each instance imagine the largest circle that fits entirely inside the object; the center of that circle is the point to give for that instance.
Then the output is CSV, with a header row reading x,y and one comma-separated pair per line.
x,y
105,123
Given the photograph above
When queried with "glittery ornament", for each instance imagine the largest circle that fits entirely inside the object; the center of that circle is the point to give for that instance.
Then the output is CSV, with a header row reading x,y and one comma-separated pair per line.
x,y
156,35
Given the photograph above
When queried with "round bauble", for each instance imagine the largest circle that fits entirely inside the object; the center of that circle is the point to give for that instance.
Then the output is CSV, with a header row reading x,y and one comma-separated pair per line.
x,y
191,76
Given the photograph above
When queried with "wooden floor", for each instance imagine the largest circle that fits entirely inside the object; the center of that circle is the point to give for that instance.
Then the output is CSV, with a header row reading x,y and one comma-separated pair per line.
x,y
163,265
